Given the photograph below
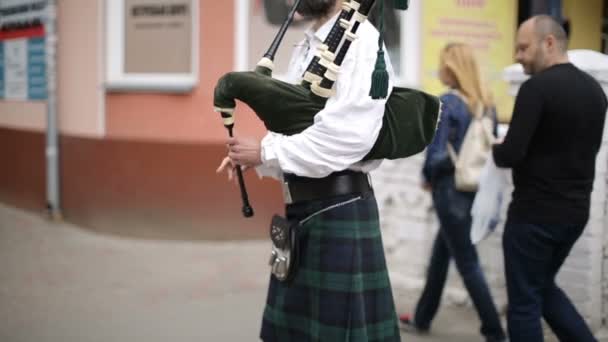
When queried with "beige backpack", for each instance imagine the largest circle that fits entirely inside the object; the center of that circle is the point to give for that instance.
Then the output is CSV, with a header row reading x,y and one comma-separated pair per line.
x,y
474,151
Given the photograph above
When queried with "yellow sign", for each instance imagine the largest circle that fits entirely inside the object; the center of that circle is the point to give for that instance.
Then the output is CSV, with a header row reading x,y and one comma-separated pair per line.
x,y
489,26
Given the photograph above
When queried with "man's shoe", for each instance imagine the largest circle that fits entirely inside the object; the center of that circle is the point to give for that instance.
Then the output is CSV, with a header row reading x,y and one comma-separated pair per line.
x,y
407,324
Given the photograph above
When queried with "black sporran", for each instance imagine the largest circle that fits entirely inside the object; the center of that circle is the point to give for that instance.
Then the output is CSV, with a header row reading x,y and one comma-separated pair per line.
x,y
284,256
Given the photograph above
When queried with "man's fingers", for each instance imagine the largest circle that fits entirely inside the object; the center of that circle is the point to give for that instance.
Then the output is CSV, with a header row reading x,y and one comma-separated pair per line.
x,y
231,141
230,174
235,157
229,165
223,165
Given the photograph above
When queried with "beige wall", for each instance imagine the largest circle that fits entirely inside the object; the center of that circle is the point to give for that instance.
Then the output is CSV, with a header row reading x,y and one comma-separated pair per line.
x,y
29,116
80,66
80,93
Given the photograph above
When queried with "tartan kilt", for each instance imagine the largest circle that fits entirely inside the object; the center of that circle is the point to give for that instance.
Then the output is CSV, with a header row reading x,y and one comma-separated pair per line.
x,y
342,290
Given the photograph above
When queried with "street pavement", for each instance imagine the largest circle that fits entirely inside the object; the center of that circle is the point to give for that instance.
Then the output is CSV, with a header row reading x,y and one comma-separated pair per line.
x,y
63,283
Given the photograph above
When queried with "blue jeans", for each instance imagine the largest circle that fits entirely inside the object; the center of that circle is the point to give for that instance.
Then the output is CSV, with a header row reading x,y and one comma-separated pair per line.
x,y
533,256
453,241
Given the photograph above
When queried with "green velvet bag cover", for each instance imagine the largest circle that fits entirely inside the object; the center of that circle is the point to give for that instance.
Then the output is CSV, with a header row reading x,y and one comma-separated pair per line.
x,y
408,126
409,122
283,107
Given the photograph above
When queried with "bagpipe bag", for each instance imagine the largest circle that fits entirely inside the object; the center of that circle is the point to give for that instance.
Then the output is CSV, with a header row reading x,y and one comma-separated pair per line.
x,y
409,122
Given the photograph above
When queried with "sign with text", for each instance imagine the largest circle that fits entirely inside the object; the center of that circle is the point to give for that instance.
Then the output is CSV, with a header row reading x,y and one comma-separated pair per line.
x,y
158,36
488,26
22,50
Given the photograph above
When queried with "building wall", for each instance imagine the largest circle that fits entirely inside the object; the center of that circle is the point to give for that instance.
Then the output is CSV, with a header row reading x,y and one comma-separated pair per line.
x,y
21,115
586,23
79,79
153,174
598,227
163,150
132,163
159,190
80,65
22,175
188,117
23,123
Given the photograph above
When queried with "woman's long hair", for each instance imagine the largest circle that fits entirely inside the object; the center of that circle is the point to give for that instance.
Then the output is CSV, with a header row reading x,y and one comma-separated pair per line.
x,y
460,62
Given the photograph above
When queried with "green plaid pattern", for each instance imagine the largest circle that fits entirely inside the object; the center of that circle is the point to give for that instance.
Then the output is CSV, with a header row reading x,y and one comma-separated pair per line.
x,y
342,290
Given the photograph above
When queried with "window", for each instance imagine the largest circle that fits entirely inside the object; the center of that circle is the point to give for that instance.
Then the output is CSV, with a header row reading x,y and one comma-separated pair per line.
x,y
142,37
258,22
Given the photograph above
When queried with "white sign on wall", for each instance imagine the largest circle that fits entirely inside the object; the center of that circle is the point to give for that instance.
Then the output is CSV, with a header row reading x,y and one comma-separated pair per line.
x,y
152,45
15,69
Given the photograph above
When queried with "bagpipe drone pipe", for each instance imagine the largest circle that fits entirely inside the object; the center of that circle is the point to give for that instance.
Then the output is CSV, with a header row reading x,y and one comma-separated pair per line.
x,y
410,117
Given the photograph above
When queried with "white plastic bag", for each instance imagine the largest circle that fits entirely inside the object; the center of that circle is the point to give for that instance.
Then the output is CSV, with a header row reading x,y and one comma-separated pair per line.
x,y
493,183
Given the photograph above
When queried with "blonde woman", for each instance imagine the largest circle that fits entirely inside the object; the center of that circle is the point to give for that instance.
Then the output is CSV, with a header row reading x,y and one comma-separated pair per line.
x,y
458,71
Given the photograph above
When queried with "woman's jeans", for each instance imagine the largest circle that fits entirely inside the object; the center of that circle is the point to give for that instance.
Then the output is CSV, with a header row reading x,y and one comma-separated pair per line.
x,y
534,253
453,241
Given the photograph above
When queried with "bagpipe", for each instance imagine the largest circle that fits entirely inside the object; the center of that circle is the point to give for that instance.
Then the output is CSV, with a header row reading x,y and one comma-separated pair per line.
x,y
410,117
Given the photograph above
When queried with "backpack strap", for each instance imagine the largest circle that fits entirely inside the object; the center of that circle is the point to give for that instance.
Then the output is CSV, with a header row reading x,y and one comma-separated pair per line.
x,y
482,112
452,154
451,151
489,134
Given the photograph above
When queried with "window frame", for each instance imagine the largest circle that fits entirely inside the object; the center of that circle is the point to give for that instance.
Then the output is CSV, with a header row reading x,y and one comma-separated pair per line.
x,y
116,79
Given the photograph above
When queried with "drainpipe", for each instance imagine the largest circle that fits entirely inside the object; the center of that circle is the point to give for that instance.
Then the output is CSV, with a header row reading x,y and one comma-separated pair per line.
x,y
52,139
555,9
549,7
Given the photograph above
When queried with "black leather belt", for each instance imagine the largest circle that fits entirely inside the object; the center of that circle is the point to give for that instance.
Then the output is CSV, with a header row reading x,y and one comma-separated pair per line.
x,y
299,189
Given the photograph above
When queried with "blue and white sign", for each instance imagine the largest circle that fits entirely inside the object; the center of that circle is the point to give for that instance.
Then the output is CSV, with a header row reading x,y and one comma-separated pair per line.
x,y
22,50
1,70
36,69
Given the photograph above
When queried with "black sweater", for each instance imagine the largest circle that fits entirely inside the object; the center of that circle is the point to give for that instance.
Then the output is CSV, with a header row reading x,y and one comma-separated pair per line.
x,y
552,143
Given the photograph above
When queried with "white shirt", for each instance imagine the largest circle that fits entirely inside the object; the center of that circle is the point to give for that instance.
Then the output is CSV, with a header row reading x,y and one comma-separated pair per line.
x,y
347,128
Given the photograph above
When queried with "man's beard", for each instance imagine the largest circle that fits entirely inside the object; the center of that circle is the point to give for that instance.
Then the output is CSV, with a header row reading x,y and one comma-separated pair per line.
x,y
314,9
538,64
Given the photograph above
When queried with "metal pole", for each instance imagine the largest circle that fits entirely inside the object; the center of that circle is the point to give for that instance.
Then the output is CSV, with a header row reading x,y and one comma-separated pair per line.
x,y
52,146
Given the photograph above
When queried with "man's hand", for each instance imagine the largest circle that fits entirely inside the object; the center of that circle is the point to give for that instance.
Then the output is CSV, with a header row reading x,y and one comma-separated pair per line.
x,y
229,166
243,152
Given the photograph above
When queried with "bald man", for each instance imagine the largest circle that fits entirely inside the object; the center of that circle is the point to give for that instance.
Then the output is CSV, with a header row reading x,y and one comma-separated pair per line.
x,y
552,143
